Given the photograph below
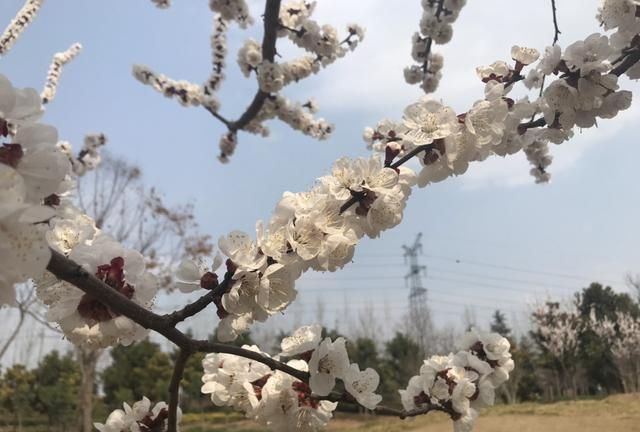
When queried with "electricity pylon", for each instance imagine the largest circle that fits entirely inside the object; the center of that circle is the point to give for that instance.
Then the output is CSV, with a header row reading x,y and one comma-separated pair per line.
x,y
419,320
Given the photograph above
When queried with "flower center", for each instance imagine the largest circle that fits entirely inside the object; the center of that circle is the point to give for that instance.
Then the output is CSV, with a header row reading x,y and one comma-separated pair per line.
x,y
11,154
304,394
113,275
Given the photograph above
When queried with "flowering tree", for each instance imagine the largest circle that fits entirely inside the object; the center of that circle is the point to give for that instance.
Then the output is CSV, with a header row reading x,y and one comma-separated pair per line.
x,y
557,332
100,293
623,335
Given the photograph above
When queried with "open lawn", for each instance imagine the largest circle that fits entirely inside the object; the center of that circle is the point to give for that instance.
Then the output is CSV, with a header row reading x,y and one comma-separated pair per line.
x,y
614,414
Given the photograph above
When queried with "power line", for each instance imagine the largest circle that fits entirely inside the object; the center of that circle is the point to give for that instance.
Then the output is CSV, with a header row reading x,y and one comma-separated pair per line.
x,y
438,278
477,275
494,266
520,269
444,291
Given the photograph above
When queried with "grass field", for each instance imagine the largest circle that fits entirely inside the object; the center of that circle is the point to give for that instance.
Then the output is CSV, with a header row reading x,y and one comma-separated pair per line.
x,y
614,414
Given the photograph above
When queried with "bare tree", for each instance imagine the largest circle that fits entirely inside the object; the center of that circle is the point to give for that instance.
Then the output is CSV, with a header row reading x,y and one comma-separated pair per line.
x,y
633,282
25,301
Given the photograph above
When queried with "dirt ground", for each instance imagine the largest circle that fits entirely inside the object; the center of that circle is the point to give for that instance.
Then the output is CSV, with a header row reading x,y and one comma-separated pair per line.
x,y
614,414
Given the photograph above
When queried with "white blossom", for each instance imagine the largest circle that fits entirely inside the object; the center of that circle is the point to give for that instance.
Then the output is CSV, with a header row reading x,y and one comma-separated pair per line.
x,y
304,339
328,362
83,319
362,385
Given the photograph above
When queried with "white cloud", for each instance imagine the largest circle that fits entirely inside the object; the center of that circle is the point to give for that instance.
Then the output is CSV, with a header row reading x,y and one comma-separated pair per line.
x,y
514,170
370,79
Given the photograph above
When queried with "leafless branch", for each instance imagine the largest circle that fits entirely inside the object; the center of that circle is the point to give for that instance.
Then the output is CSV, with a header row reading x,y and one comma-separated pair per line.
x,y
556,36
174,389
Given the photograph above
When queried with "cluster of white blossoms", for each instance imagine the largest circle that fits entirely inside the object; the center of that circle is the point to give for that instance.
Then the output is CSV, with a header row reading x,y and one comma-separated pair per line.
x,y
185,92
32,171
457,384
279,400
624,335
463,383
37,213
319,229
320,41
84,320
558,329
298,116
324,47
55,69
88,158
17,25
218,56
435,27
137,418
587,89
538,155
307,230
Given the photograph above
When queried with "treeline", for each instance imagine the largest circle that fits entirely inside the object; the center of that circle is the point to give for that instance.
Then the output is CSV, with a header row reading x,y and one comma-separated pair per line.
x,y
565,355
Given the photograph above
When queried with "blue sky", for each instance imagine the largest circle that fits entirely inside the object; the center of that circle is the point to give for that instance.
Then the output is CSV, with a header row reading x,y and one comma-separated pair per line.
x,y
583,226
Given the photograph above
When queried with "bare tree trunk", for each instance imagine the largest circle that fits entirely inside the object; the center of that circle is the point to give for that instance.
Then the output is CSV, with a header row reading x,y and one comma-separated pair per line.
x,y
88,364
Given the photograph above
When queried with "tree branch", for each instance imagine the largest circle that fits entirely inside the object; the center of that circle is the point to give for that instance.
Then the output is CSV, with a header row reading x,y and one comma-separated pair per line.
x,y
385,410
174,389
271,25
556,36
65,269
193,308
427,51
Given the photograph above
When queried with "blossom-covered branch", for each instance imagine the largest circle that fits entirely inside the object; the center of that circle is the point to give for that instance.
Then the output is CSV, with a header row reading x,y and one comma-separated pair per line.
x,y
435,27
292,21
55,69
19,24
101,293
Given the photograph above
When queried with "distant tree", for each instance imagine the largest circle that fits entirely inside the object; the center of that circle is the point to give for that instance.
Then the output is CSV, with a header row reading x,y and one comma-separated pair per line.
x,y
595,304
16,393
364,352
605,302
557,336
499,324
56,390
595,351
633,282
138,370
526,359
402,357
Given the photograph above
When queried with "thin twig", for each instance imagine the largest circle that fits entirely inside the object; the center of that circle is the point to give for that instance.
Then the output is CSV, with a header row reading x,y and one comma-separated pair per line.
x,y
556,36
193,308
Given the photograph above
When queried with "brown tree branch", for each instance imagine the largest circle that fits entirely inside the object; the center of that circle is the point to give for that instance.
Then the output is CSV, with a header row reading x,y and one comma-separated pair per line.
x,y
174,389
427,51
556,36
65,269
346,398
271,25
